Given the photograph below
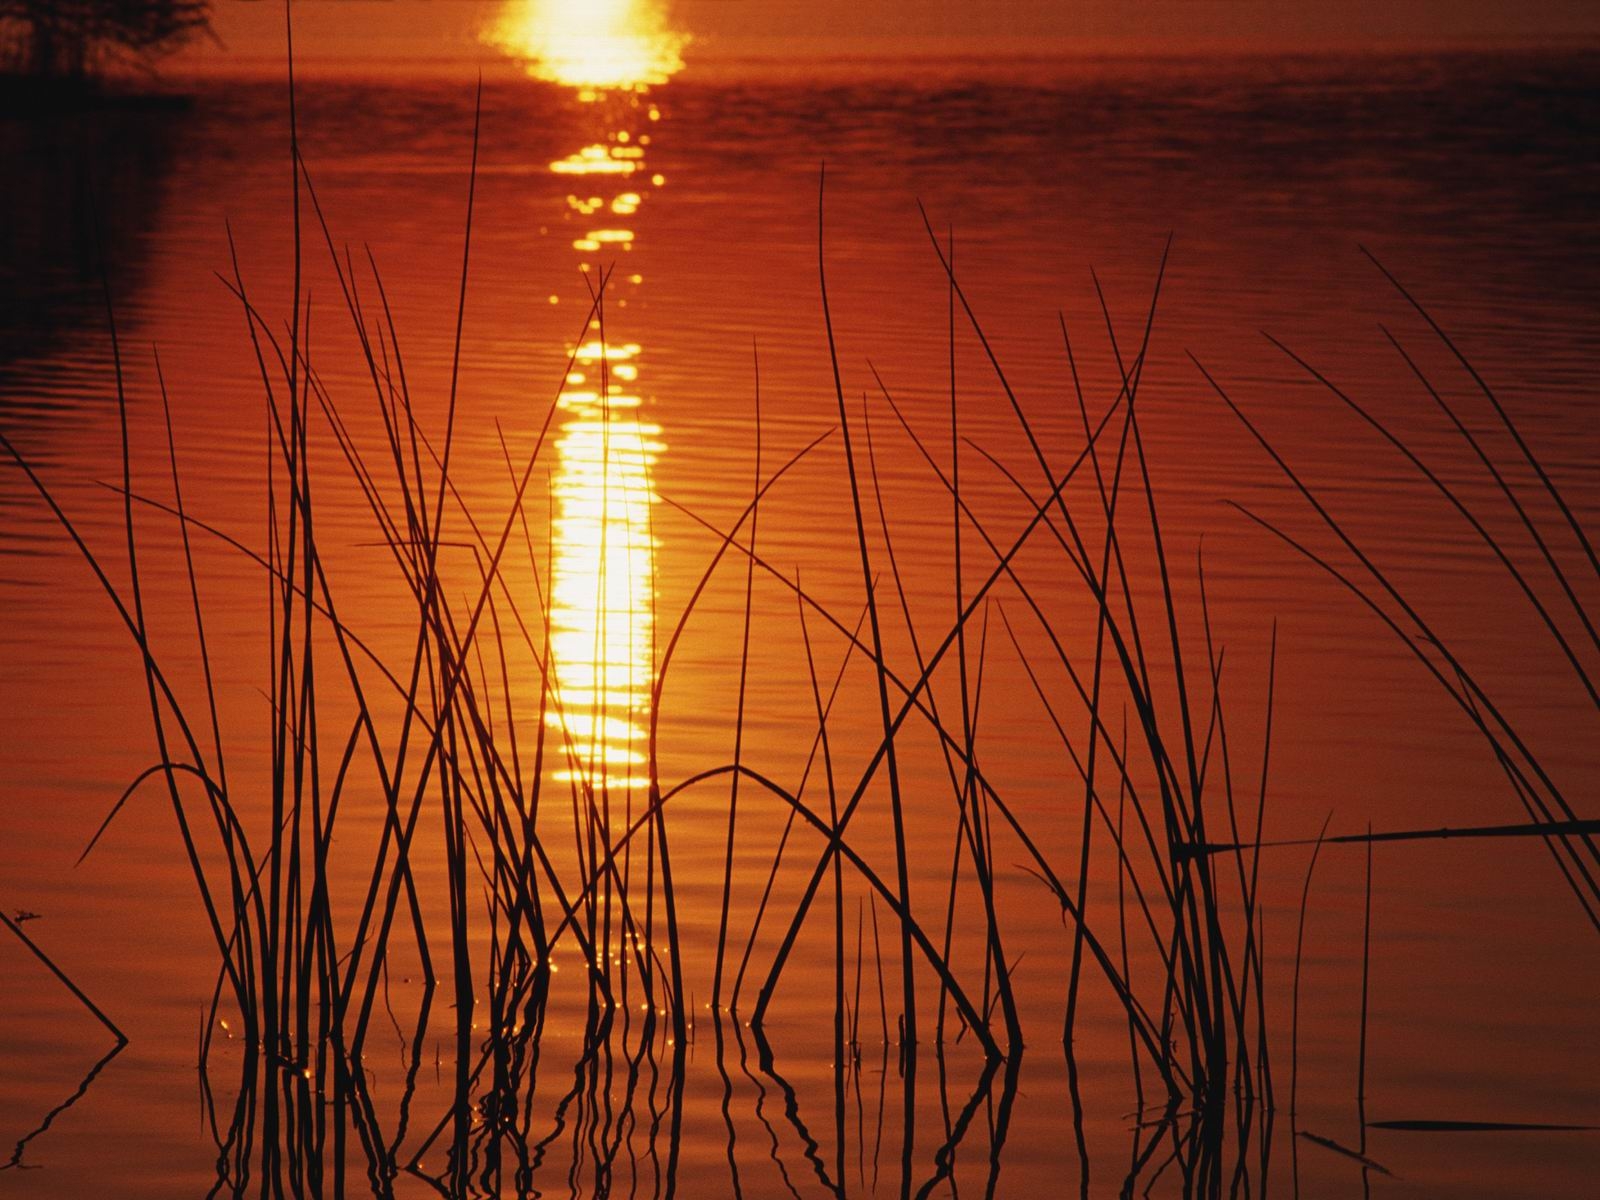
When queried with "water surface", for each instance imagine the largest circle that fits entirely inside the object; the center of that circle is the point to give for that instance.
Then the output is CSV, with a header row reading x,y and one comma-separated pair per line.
x,y
1472,177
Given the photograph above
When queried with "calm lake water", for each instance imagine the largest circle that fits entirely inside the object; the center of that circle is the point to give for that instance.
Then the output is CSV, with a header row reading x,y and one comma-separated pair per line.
x,y
1473,178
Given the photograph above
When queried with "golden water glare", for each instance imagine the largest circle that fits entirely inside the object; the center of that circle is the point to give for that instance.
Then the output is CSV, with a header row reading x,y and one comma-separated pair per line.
x,y
602,593
603,590
593,45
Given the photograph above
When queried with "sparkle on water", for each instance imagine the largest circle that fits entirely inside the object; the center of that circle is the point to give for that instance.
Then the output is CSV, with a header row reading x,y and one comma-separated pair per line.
x,y
603,592
590,44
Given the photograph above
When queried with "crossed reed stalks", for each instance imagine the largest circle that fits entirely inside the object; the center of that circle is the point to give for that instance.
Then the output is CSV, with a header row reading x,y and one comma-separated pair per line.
x,y
305,939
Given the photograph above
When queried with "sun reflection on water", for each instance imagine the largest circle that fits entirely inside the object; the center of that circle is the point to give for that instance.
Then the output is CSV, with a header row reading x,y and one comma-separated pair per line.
x,y
594,45
602,601
603,591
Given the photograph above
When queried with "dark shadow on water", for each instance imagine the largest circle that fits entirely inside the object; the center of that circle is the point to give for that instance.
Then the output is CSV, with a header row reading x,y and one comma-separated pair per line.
x,y
77,178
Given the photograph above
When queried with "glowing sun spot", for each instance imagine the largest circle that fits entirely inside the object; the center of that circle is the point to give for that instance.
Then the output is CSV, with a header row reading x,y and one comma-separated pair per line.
x,y
590,44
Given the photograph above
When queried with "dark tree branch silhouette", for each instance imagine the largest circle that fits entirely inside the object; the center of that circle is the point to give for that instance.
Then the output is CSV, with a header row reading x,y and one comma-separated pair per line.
x,y
75,40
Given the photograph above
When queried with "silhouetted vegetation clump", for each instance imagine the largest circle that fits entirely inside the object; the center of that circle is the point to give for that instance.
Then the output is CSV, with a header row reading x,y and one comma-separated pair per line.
x,y
72,42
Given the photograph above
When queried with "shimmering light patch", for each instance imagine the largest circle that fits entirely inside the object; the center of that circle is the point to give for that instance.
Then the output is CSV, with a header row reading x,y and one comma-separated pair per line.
x,y
582,401
598,159
596,350
594,45
603,591
603,586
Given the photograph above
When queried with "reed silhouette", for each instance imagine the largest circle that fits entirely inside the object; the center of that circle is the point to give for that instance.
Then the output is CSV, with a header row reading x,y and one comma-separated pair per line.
x,y
583,1079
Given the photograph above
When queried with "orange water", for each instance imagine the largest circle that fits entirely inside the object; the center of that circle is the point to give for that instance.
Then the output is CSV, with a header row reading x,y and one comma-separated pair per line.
x,y
1470,177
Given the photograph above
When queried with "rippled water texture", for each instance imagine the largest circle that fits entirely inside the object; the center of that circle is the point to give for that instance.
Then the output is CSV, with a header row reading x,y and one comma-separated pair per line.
x,y
692,210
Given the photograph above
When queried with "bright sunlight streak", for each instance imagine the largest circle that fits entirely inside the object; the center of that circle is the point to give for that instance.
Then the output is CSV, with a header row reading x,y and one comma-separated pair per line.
x,y
591,44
